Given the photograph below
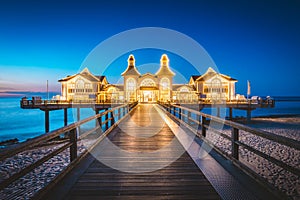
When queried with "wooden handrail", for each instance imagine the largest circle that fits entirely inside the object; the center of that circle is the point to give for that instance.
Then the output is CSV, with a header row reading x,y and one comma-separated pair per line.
x,y
236,127
267,135
72,143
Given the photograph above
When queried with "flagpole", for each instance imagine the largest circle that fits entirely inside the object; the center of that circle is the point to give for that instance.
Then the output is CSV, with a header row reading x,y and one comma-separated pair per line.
x,y
47,91
248,89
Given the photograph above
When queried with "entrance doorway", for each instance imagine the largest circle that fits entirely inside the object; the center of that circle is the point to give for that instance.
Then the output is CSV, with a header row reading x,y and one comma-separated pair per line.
x,y
147,96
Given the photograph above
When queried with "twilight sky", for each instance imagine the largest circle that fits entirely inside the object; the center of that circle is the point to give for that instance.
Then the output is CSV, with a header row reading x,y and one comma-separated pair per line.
x,y
249,40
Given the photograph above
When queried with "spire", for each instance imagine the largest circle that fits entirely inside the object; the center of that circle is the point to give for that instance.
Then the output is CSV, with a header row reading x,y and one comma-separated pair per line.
x,y
131,60
131,69
164,60
164,67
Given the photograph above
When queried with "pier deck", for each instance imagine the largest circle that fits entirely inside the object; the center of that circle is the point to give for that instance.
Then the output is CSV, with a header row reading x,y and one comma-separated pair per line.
x,y
142,171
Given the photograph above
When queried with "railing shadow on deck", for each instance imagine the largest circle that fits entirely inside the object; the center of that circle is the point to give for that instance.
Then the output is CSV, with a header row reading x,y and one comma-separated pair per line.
x,y
106,121
199,123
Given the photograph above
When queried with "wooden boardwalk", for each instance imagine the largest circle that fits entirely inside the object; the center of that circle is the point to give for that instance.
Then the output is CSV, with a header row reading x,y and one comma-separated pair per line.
x,y
141,170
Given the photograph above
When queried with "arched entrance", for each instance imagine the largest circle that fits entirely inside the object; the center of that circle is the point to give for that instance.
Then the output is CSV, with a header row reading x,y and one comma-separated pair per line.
x,y
148,91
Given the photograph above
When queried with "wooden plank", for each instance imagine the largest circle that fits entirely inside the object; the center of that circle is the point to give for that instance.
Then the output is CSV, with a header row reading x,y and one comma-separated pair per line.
x,y
181,179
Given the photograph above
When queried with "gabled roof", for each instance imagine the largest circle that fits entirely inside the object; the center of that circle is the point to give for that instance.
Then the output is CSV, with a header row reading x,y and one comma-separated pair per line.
x,y
210,73
164,71
194,77
149,75
117,86
85,73
176,87
102,79
131,70
67,78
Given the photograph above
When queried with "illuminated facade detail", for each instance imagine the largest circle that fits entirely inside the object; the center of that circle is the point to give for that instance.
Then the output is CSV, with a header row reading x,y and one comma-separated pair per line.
x,y
147,88
215,86
81,87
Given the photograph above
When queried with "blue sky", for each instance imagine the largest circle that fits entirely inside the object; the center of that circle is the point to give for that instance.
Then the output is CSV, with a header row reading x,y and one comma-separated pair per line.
x,y
248,40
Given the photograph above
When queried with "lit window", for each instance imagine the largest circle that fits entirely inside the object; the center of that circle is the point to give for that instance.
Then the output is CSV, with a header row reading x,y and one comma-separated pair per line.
x,y
165,84
130,84
147,82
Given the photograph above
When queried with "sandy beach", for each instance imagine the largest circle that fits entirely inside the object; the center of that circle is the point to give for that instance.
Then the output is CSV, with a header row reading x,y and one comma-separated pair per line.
x,y
285,181
31,183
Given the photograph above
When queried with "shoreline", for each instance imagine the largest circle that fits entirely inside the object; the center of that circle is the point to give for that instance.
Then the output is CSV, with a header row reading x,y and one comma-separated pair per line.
x,y
257,120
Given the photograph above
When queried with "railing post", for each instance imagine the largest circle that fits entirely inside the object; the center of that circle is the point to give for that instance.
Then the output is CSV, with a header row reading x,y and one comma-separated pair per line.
x,y
203,123
106,118
99,119
234,146
199,122
188,117
179,113
112,118
73,147
78,118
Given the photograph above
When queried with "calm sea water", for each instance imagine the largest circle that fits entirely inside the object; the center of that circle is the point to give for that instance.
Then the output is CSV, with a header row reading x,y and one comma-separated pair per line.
x,y
28,123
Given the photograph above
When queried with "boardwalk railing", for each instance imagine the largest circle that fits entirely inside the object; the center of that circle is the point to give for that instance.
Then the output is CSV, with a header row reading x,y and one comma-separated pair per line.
x,y
200,122
106,121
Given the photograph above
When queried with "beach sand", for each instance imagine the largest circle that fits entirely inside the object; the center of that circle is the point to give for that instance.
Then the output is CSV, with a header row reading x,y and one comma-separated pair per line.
x,y
289,127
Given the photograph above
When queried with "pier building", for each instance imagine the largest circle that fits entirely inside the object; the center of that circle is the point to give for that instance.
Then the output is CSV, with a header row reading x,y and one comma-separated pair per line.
x,y
148,88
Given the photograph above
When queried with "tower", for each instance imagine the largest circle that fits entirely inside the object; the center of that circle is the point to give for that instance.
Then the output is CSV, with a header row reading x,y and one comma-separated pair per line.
x,y
165,79
130,75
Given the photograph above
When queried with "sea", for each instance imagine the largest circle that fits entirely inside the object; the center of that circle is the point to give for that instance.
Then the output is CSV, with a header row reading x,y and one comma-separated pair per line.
x,y
23,124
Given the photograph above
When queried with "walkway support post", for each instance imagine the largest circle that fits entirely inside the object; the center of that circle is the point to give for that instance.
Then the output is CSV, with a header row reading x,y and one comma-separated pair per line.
x,y
248,115
47,125
230,113
65,116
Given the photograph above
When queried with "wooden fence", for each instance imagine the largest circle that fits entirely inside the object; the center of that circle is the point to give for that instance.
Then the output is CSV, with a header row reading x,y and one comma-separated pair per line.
x,y
106,122
200,122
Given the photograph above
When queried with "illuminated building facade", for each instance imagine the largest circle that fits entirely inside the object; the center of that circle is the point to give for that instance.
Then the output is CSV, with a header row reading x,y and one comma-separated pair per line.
x,y
148,88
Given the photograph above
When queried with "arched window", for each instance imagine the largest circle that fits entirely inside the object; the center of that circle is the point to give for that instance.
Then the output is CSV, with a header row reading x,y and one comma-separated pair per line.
x,y
80,84
216,85
147,82
165,84
130,85
111,90
184,89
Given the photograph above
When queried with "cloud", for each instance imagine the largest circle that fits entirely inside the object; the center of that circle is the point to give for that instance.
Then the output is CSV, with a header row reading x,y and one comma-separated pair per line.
x,y
6,88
